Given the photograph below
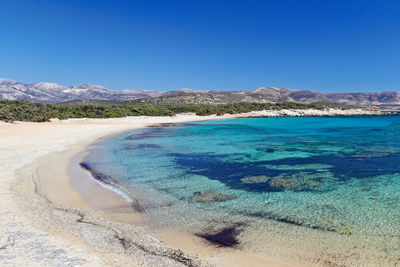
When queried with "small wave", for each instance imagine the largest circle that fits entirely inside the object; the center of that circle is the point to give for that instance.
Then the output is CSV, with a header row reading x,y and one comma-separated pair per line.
x,y
110,183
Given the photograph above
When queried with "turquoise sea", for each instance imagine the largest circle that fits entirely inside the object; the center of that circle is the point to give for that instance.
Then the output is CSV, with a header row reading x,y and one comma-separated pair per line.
x,y
337,175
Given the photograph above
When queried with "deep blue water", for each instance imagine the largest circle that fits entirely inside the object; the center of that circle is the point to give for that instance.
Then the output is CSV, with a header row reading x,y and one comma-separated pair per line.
x,y
338,174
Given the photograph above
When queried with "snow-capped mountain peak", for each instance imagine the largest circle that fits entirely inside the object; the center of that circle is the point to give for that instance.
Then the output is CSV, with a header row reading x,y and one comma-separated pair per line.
x,y
47,92
6,81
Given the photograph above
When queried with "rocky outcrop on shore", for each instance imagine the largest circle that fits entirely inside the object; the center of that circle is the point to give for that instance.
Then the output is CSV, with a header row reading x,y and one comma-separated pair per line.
x,y
311,112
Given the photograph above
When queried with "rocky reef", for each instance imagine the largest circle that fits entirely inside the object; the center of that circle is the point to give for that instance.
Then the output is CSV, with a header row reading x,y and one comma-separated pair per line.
x,y
297,181
255,179
209,196
284,183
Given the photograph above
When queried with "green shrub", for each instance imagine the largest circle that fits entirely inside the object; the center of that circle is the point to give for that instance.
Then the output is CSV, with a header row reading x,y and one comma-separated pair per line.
x,y
26,111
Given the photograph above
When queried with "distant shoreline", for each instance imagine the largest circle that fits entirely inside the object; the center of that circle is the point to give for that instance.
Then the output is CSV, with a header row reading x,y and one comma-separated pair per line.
x,y
27,111
265,113
330,112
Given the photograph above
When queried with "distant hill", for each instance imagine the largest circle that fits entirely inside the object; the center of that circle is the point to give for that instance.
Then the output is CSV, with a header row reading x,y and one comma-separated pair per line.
x,y
46,92
389,100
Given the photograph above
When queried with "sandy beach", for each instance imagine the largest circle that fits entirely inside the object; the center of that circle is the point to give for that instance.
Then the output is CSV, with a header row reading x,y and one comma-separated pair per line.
x,y
49,219
52,214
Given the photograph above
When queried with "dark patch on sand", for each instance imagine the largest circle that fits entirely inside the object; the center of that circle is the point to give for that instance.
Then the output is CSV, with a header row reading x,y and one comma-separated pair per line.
x,y
226,237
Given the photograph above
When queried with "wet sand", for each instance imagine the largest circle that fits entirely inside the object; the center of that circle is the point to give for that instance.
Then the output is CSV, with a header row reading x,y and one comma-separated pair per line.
x,y
224,257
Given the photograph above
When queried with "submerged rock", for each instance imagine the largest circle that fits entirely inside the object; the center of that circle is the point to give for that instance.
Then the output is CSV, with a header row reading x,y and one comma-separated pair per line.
x,y
209,196
300,180
313,183
284,183
255,179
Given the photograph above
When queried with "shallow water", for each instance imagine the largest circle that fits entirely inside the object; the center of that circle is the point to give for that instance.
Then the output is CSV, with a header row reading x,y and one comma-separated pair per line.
x,y
336,174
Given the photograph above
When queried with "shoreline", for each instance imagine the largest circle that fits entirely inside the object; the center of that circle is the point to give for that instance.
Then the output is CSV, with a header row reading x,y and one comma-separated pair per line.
x,y
58,220
26,232
193,246
56,215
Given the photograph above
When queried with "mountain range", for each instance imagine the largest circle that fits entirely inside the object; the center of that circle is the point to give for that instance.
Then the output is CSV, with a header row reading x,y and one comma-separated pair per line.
x,y
46,92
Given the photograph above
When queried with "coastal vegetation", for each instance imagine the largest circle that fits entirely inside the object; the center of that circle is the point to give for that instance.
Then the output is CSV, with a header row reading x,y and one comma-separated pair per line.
x,y
36,112
26,111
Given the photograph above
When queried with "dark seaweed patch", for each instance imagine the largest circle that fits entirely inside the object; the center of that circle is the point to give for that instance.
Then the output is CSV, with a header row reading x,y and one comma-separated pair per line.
x,y
209,124
222,168
228,172
148,133
226,237
168,124
345,167
172,124
141,146
266,150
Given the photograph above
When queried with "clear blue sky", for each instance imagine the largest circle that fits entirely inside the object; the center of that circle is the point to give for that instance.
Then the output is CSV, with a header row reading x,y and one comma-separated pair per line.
x,y
327,46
